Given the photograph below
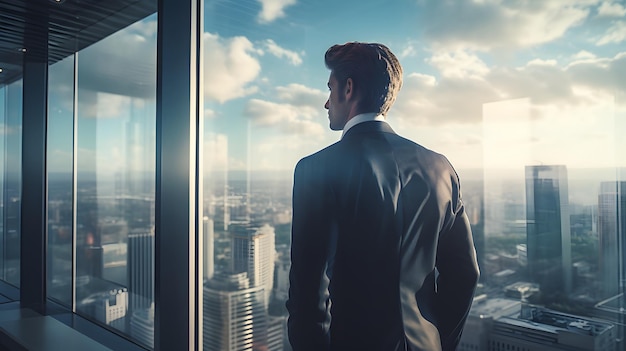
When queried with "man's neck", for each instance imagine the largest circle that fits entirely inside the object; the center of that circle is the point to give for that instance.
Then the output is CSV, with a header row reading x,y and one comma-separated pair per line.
x,y
360,118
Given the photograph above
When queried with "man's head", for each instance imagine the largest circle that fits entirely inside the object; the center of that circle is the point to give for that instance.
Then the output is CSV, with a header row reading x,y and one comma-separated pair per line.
x,y
365,77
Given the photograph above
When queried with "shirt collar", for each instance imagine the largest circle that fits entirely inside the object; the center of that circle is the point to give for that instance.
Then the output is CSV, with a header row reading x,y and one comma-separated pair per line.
x,y
363,117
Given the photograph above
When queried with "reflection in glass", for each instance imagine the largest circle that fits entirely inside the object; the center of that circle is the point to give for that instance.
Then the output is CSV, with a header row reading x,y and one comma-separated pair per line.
x,y
60,159
11,181
116,108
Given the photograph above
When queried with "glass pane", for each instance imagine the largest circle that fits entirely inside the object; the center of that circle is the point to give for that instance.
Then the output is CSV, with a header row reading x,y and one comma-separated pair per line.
x,y
11,184
116,102
522,98
60,159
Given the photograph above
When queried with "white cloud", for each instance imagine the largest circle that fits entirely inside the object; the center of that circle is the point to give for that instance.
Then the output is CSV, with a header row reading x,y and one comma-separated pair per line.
x,y
408,51
615,34
209,113
301,95
458,98
459,64
273,9
582,55
611,9
230,67
490,24
288,118
291,56
298,111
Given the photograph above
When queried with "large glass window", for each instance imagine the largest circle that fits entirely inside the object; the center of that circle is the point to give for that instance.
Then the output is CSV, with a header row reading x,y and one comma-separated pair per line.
x,y
524,99
115,180
60,164
10,181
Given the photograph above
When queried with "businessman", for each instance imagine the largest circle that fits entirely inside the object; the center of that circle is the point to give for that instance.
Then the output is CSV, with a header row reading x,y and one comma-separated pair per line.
x,y
382,256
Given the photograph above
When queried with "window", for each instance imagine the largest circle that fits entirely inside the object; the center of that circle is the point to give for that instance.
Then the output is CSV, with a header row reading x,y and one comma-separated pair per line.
x,y
101,181
60,180
522,99
10,181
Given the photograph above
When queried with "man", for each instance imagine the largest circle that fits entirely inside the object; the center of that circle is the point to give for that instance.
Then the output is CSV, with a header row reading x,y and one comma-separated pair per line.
x,y
382,256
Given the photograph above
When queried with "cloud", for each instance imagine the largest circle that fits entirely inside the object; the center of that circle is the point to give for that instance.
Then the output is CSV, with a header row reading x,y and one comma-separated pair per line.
x,y
299,110
459,64
457,96
611,9
615,34
408,51
123,63
301,95
230,67
288,118
485,25
291,56
273,9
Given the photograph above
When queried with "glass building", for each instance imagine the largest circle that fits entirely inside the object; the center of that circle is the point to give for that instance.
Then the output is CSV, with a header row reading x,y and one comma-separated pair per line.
x,y
147,150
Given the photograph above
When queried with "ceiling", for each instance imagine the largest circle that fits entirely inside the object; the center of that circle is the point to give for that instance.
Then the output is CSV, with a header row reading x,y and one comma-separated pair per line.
x,y
69,25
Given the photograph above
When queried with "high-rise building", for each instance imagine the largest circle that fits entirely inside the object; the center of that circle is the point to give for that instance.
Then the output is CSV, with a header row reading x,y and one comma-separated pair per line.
x,y
276,327
253,251
208,242
234,314
281,274
142,326
548,240
141,268
612,237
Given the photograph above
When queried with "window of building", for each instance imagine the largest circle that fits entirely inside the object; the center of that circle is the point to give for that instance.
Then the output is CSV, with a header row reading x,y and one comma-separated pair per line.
x,y
10,181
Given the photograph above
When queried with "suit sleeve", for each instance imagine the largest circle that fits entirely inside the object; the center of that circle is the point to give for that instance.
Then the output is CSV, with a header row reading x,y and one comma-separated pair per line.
x,y
308,303
458,275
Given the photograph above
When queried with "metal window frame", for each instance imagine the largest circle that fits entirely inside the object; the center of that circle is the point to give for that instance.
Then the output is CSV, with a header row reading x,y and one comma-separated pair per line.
x,y
177,289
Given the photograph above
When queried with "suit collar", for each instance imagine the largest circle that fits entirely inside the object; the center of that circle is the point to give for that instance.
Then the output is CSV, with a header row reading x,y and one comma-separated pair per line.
x,y
368,127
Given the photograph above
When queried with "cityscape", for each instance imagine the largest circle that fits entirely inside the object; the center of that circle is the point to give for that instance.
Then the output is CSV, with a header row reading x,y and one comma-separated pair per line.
x,y
550,253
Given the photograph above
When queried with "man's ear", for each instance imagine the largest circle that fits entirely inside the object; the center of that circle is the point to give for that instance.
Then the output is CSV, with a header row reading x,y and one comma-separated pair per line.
x,y
349,89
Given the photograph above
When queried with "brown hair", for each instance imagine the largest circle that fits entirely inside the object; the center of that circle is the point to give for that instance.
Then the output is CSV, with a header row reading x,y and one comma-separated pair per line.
x,y
375,71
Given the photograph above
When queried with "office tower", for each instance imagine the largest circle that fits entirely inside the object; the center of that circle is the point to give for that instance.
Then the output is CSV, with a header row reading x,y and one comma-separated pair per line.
x,y
612,237
209,253
142,326
234,315
548,228
141,268
276,327
281,287
253,251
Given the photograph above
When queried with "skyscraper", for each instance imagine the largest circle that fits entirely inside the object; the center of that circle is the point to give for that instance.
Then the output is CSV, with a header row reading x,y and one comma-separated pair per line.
x,y
142,325
141,268
208,242
253,251
612,237
548,228
234,316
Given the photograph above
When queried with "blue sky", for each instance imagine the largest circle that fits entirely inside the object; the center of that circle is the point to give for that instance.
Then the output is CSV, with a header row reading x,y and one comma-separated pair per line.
x,y
562,59
483,79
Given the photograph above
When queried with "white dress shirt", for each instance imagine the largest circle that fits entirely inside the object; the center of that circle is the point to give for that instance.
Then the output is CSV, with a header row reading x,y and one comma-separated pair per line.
x,y
363,117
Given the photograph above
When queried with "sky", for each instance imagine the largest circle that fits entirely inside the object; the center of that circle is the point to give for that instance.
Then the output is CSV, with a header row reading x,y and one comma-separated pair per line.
x,y
488,83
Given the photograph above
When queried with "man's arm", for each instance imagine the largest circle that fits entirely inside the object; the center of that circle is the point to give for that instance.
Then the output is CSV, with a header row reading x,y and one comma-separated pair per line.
x,y
458,276
308,304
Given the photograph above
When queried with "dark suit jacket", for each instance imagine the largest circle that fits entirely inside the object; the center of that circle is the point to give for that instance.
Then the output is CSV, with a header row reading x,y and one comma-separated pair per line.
x,y
380,242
